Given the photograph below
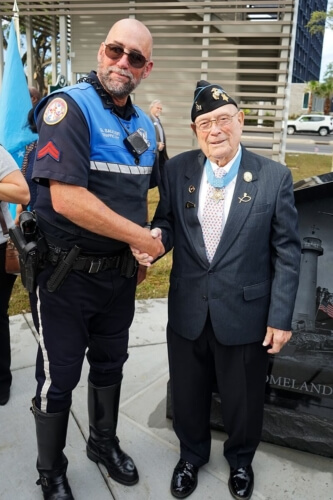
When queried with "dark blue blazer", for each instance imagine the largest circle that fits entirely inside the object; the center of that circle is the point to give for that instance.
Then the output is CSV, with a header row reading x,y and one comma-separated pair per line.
x,y
252,281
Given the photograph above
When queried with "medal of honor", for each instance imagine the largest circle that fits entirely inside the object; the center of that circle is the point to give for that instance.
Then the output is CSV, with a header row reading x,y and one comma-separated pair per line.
x,y
219,183
218,195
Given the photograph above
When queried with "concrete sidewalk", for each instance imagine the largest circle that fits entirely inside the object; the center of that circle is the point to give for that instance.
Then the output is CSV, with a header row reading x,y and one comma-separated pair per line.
x,y
144,431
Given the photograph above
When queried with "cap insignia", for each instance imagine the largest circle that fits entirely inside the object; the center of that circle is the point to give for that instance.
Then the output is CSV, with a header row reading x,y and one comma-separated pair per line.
x,y
219,94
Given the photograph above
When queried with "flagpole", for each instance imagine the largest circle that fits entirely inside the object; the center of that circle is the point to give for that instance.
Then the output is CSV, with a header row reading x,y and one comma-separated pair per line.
x,y
16,20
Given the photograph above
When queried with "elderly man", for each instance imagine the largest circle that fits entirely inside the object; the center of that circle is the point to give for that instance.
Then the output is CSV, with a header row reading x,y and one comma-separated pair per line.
x,y
230,218
95,157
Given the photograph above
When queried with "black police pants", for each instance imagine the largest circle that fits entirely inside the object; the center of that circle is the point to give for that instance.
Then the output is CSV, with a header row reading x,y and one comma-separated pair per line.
x,y
89,314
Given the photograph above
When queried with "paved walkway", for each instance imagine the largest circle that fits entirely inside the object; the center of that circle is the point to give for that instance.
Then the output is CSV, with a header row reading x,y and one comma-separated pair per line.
x,y
144,431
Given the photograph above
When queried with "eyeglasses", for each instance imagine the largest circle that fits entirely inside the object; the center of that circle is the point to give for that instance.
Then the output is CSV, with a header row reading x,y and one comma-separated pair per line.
x,y
116,52
221,121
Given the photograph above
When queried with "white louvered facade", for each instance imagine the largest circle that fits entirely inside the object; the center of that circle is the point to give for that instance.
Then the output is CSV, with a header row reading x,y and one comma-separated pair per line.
x,y
244,46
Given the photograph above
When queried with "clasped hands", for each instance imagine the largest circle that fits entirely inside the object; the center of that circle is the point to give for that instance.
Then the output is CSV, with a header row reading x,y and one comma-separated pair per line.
x,y
144,258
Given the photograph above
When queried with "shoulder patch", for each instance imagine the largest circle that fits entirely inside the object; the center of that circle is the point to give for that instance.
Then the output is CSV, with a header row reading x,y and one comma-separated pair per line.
x,y
56,110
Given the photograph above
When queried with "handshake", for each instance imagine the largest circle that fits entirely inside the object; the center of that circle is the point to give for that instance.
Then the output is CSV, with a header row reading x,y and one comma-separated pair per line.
x,y
144,258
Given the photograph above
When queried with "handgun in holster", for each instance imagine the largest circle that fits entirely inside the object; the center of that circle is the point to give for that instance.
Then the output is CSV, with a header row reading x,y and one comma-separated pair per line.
x,y
62,269
28,257
128,264
31,246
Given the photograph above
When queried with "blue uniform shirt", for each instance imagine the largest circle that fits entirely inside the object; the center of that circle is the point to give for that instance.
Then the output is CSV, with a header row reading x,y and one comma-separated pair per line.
x,y
81,143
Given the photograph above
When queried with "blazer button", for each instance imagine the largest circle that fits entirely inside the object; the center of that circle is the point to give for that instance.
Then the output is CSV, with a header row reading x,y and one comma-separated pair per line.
x,y
204,298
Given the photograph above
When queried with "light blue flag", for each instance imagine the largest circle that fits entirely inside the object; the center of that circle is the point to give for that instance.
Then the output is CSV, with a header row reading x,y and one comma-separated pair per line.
x,y
15,103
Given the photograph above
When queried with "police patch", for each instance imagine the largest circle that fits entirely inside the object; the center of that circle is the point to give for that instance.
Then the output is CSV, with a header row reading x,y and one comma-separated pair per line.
x,y
56,110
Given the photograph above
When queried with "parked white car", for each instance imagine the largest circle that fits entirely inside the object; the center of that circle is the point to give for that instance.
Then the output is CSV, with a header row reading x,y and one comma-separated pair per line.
x,y
321,124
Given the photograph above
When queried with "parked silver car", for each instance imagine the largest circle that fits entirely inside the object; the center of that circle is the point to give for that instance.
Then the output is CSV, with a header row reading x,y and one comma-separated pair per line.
x,y
321,124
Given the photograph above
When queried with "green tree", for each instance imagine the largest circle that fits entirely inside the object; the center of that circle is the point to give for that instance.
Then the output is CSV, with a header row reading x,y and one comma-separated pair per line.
x,y
41,49
329,72
320,20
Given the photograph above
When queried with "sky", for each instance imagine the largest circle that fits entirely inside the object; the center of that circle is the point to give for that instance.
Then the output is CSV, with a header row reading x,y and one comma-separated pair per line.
x,y
327,54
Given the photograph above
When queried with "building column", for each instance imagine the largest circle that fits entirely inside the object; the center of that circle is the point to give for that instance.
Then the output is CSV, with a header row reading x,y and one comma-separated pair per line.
x,y
30,57
63,46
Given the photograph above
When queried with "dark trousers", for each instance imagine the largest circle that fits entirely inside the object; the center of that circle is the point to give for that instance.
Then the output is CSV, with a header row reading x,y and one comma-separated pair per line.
x,y
90,314
6,286
240,372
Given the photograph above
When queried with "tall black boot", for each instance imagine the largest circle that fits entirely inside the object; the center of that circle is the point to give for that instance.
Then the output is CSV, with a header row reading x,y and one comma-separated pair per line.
x,y
51,430
103,444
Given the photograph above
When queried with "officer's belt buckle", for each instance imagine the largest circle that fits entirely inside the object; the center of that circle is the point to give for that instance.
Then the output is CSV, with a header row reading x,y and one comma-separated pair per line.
x,y
95,266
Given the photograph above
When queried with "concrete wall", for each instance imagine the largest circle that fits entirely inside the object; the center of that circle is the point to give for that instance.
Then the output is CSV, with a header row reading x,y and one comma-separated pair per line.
x,y
297,99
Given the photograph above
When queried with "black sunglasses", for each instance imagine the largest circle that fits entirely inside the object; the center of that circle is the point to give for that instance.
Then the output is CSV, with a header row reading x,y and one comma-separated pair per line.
x,y
115,52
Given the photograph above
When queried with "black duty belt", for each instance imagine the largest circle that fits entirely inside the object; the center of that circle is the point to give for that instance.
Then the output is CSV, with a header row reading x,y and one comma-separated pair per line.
x,y
87,263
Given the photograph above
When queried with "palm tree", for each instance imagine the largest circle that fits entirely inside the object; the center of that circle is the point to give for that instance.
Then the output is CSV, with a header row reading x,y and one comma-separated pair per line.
x,y
313,88
326,91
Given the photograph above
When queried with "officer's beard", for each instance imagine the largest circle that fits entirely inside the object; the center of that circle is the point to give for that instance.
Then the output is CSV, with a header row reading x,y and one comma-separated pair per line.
x,y
117,89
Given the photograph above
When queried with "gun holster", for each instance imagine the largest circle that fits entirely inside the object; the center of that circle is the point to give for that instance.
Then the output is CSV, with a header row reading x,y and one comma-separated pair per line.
x,y
128,265
31,247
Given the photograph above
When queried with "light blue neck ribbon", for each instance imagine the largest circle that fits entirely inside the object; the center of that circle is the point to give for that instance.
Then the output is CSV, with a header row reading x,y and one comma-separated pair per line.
x,y
220,182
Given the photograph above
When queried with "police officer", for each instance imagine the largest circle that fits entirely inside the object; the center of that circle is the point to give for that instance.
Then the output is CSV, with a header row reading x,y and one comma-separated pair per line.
x,y
95,157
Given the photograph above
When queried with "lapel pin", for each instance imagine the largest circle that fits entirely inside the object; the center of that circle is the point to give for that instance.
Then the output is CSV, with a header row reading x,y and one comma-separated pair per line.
x,y
245,198
191,189
247,176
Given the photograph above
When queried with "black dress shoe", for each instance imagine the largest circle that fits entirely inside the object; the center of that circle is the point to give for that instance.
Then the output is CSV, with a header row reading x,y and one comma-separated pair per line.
x,y
184,479
4,397
241,482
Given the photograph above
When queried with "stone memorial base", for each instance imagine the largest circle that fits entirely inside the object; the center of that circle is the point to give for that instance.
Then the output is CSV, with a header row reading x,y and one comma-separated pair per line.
x,y
283,426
